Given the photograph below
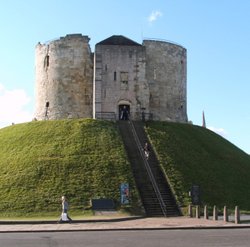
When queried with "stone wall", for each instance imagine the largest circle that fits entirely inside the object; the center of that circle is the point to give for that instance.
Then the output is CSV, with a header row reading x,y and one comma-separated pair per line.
x,y
151,77
167,78
64,78
120,79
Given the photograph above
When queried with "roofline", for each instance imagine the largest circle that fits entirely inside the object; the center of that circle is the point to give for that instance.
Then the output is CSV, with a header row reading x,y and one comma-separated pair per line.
x,y
162,40
133,43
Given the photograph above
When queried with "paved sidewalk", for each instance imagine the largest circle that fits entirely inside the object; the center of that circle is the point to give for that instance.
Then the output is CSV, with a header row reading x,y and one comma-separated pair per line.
x,y
128,223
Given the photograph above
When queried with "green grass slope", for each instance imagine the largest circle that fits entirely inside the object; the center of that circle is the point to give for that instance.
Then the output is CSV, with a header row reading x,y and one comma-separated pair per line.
x,y
192,155
40,161
85,159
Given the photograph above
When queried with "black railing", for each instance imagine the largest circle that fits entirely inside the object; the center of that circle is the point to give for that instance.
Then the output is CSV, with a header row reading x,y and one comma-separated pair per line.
x,y
148,169
143,116
106,115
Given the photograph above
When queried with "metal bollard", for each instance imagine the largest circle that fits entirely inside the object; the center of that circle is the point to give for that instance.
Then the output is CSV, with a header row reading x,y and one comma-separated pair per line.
x,y
190,211
225,214
237,215
205,212
215,213
198,212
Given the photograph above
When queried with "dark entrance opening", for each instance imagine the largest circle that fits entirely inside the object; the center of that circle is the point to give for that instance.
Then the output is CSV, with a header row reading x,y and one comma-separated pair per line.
x,y
124,112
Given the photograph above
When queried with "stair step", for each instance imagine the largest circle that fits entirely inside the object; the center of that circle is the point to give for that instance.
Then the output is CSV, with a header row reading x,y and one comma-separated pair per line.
x,y
149,199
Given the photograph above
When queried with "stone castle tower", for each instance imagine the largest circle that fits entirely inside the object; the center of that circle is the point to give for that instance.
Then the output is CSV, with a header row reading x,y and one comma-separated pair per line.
x,y
148,78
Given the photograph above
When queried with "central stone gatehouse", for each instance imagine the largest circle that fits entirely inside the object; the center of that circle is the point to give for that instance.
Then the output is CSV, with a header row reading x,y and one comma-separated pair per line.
x,y
147,79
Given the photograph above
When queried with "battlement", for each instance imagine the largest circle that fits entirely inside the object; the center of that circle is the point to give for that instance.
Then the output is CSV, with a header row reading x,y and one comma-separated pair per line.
x,y
75,36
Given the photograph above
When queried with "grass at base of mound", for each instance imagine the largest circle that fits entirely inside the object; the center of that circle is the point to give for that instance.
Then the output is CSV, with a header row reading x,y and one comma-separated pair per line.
x,y
75,215
85,159
82,159
44,215
192,155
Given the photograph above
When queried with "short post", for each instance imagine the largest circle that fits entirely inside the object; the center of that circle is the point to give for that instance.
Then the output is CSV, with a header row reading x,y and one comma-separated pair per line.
x,y
190,211
205,212
215,213
237,215
225,214
198,213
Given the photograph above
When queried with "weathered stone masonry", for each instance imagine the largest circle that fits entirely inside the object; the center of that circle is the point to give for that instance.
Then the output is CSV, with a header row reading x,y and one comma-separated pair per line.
x,y
72,82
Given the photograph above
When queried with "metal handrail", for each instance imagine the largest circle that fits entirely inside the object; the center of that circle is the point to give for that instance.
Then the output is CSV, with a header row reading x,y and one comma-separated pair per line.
x,y
151,176
106,115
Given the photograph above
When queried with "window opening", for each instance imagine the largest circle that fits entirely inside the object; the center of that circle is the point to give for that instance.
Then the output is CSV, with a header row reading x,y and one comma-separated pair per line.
x,y
46,110
46,61
124,80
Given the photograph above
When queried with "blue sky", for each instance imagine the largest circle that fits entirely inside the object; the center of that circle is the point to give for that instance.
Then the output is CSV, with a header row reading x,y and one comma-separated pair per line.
x,y
215,33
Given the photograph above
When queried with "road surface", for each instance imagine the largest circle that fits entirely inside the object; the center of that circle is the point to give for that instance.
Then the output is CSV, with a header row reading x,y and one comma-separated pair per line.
x,y
145,238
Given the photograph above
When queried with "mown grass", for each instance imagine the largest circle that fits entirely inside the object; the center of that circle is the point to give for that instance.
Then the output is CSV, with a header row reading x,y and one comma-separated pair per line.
x,y
41,161
192,155
85,159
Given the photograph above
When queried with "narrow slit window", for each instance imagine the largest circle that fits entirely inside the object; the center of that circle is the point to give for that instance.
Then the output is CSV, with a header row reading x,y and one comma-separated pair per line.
x,y
115,76
46,61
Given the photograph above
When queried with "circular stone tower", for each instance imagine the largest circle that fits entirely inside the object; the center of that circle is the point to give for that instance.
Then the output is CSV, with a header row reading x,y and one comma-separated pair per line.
x,y
166,74
64,78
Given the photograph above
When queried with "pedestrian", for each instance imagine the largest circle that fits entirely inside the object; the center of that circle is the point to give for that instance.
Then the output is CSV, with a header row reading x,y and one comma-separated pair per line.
x,y
146,150
65,208
124,113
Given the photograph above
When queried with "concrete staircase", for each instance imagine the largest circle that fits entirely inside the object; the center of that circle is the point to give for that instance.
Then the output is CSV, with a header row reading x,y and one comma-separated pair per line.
x,y
156,196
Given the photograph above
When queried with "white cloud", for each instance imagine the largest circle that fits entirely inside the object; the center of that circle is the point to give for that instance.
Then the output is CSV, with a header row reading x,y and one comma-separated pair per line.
x,y
154,16
12,106
219,131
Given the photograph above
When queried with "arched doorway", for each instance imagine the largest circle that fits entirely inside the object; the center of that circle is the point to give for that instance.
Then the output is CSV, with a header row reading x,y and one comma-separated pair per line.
x,y
124,111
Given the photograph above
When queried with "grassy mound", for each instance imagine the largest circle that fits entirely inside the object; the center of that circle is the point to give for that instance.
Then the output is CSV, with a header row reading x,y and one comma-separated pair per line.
x,y
40,161
85,159
192,155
